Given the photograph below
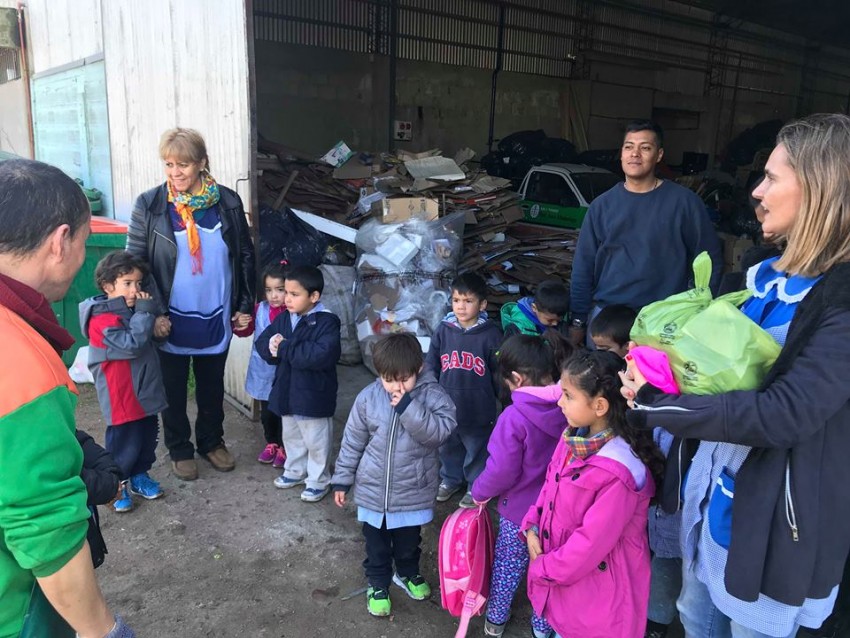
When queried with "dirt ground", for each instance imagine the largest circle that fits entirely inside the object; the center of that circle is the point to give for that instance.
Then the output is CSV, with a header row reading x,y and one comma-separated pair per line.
x,y
230,555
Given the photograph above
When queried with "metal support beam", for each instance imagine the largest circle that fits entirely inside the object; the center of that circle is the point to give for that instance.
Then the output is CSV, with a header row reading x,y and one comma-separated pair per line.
x,y
583,41
393,52
808,80
500,45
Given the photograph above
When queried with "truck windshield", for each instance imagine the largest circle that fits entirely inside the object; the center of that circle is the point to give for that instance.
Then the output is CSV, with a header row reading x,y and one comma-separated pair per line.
x,y
592,185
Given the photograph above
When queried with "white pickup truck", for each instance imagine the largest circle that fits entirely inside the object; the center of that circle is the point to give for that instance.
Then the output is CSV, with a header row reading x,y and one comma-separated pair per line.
x,y
559,194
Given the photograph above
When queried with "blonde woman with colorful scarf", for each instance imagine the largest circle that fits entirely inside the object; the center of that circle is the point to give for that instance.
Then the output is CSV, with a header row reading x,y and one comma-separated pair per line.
x,y
193,233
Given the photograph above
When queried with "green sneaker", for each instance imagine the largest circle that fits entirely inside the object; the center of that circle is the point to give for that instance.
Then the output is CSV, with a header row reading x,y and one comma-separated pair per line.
x,y
378,602
415,587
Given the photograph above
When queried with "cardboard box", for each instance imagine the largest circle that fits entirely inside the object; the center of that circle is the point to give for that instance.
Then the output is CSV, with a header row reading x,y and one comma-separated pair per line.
x,y
401,209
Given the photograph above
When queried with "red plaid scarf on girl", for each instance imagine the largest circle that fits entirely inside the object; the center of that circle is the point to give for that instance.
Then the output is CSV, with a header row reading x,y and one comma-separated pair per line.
x,y
581,447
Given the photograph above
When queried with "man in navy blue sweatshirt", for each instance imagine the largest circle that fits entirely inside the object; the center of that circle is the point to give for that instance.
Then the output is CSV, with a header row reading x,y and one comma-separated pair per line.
x,y
639,239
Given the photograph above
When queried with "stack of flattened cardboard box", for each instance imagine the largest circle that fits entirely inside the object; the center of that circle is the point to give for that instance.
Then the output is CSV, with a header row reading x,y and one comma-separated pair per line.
x,y
527,255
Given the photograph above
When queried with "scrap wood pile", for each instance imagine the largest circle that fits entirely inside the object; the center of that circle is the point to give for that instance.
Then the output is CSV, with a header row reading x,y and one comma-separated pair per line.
x,y
293,179
395,188
527,255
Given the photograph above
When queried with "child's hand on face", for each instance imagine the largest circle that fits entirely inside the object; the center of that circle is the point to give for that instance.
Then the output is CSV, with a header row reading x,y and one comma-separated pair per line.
x,y
274,344
339,498
143,295
533,542
396,396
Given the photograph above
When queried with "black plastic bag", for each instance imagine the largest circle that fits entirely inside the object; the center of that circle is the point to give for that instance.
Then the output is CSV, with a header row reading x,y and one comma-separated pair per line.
x,y
285,237
520,142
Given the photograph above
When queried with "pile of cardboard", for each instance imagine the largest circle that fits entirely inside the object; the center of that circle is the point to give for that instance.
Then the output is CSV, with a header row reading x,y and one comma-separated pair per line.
x,y
527,254
290,178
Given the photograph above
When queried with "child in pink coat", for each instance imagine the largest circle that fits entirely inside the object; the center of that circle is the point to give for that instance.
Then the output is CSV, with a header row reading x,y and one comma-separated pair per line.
x,y
586,534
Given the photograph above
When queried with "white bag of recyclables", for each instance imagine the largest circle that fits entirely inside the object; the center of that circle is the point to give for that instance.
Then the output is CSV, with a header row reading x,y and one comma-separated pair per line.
x,y
338,297
404,274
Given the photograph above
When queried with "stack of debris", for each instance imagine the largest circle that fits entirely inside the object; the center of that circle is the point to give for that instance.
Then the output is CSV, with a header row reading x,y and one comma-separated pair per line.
x,y
293,179
402,187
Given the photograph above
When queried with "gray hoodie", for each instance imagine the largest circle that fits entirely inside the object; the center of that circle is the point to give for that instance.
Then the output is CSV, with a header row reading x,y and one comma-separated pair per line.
x,y
390,454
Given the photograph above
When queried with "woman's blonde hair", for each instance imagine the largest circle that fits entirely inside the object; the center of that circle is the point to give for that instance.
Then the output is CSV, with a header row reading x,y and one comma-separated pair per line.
x,y
185,144
818,148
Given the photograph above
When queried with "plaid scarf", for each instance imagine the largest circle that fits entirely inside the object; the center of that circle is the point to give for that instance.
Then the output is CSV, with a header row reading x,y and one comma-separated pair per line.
x,y
186,205
581,447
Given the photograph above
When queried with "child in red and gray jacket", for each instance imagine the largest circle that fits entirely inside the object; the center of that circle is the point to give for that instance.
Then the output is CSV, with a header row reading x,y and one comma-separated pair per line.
x,y
124,362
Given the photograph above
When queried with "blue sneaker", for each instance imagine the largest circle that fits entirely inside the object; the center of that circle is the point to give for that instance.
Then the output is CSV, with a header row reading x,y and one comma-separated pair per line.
x,y
125,503
285,483
143,485
314,494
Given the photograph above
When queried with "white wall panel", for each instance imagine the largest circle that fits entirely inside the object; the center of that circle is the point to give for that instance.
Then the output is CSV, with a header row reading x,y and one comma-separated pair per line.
x,y
63,31
176,64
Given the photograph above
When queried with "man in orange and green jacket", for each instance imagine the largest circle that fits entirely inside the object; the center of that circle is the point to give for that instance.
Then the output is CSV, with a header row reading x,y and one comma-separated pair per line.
x,y
47,582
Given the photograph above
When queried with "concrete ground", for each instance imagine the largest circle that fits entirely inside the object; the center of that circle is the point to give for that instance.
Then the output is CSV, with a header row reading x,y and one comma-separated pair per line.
x,y
230,555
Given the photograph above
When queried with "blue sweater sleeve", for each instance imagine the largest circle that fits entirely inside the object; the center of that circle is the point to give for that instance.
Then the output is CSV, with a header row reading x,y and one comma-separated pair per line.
x,y
582,281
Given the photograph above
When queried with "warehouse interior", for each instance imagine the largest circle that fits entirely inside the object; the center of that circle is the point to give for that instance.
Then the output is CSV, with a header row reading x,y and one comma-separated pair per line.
x,y
465,74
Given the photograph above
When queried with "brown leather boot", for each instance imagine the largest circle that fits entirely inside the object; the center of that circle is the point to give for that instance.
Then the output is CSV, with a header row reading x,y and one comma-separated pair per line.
x,y
221,459
185,470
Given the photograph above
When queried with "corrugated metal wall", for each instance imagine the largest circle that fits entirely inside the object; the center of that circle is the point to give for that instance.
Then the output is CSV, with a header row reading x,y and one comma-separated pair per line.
x,y
62,32
176,64
548,37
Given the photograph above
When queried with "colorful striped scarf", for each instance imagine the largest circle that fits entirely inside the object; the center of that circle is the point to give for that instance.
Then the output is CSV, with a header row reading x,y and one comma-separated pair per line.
x,y
186,205
581,447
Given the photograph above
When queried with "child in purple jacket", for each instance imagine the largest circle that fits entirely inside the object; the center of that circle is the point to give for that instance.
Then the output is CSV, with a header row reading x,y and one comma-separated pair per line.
x,y
520,447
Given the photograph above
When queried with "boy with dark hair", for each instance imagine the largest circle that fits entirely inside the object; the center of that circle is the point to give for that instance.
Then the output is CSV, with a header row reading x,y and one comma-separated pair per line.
x,y
123,360
534,315
389,454
462,356
610,329
304,344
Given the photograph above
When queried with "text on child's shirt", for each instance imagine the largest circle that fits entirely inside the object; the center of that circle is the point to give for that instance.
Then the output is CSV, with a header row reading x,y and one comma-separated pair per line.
x,y
463,361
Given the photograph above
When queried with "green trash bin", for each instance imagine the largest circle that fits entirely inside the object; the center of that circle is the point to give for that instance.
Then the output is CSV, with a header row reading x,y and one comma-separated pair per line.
x,y
107,235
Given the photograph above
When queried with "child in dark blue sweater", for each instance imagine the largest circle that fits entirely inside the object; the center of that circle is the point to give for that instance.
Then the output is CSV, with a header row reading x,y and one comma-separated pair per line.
x,y
304,344
463,357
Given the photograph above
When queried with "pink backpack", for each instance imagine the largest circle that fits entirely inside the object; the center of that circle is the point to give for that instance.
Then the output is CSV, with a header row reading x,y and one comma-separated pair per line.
x,y
466,559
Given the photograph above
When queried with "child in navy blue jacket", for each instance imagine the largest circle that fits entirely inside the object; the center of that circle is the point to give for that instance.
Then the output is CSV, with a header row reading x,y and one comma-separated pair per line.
x,y
304,344
463,357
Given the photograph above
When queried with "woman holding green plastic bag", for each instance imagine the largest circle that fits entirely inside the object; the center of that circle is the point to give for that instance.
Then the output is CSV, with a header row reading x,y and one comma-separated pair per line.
x,y
766,518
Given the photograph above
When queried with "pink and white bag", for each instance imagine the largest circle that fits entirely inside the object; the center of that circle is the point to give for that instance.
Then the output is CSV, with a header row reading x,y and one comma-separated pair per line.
x,y
465,563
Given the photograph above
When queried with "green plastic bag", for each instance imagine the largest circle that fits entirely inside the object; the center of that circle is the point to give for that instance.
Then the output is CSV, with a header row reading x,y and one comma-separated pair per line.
x,y
712,346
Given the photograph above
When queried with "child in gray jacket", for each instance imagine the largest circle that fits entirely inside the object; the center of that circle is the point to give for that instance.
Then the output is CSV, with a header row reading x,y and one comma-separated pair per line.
x,y
389,453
